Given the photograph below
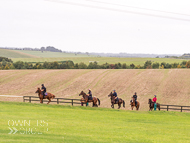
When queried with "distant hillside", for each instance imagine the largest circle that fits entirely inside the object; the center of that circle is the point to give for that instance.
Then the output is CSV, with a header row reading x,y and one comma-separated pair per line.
x,y
185,56
10,53
14,54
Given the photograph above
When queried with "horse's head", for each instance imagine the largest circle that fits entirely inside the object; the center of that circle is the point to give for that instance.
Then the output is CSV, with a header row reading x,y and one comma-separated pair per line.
x,y
110,94
82,93
133,99
149,101
38,90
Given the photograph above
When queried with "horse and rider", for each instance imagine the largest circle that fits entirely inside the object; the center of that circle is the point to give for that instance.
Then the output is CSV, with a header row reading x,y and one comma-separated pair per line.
x,y
88,98
115,100
153,104
44,95
134,102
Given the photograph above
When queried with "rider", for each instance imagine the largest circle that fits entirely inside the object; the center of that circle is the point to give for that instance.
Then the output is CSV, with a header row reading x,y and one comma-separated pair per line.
x,y
115,94
154,99
135,97
90,94
43,89
154,102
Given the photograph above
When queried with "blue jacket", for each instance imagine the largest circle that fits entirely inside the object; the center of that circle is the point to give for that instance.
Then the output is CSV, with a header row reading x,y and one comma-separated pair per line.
x,y
115,94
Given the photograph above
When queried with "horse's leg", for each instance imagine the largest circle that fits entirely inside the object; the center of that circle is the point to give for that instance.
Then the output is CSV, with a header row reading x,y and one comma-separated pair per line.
x,y
49,100
158,107
119,105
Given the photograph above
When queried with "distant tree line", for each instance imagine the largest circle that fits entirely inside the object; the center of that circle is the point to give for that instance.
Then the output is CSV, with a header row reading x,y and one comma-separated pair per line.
x,y
48,48
6,64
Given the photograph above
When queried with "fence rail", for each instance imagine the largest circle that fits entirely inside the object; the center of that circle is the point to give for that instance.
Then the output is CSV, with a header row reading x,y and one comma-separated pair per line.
x,y
57,100
174,107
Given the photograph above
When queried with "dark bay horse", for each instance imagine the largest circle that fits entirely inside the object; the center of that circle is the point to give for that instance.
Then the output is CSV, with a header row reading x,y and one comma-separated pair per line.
x,y
119,101
49,96
84,100
133,104
151,105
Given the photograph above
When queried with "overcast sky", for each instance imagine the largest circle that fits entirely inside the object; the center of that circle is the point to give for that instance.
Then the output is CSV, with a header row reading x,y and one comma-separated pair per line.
x,y
131,26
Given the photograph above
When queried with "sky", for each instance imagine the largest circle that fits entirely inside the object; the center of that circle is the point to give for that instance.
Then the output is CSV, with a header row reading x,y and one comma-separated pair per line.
x,y
102,26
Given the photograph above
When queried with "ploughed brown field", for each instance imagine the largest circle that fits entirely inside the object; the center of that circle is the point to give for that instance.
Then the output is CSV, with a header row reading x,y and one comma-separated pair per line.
x,y
172,86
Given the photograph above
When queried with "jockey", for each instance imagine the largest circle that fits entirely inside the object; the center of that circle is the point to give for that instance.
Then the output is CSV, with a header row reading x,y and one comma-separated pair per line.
x,y
90,94
115,94
154,102
135,97
43,90
154,99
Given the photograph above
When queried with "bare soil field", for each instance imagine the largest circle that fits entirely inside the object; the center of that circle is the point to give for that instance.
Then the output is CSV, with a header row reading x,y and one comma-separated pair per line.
x,y
171,86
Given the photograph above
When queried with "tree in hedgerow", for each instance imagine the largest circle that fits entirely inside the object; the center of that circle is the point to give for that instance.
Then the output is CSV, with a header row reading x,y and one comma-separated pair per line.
x,y
82,65
179,66
76,66
38,66
174,65
188,64
118,66
93,65
112,66
163,64
183,63
104,66
147,65
19,65
124,66
155,65
132,66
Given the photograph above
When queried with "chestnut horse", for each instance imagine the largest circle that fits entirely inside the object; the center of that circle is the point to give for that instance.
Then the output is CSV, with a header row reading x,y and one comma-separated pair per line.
x,y
116,102
133,104
84,100
49,96
151,105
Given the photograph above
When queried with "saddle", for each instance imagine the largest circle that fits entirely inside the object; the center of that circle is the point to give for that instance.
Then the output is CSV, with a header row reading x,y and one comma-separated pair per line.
x,y
90,98
45,94
116,100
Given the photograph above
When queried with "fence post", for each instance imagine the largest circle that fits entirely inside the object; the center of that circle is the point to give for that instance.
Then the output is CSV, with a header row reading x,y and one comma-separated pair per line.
x,y
57,100
30,99
181,108
167,107
72,102
42,100
23,99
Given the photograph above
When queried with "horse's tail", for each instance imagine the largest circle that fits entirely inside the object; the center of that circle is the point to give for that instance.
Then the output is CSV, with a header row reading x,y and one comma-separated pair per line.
x,y
123,103
98,101
158,106
138,106
53,96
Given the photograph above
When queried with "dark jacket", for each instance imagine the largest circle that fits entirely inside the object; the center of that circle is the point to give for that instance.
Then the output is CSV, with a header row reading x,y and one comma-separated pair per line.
x,y
43,87
115,94
135,96
90,93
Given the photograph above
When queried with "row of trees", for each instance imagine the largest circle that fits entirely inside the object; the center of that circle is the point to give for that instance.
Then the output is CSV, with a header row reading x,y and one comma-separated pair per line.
x,y
7,64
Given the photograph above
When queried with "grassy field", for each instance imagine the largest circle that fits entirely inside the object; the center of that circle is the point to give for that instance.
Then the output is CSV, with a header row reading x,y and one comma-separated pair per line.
x,y
47,54
101,60
82,124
